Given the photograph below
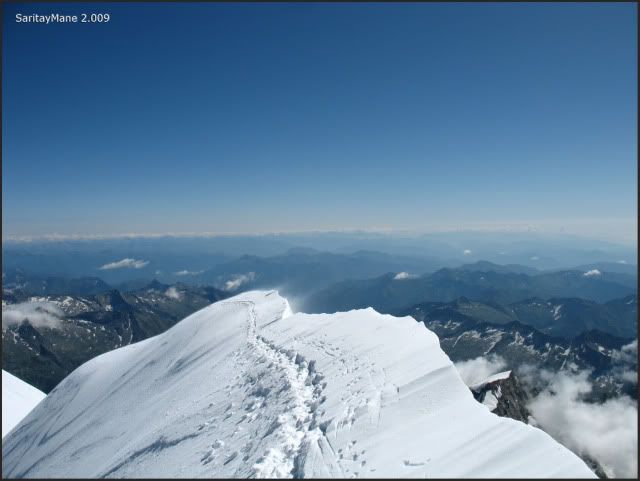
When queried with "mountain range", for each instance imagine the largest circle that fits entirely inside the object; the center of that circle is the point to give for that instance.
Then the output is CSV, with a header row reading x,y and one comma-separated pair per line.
x,y
91,317
503,285
465,334
304,270
560,317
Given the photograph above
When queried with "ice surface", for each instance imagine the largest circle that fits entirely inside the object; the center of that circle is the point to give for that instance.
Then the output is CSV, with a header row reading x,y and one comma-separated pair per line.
x,y
245,388
18,399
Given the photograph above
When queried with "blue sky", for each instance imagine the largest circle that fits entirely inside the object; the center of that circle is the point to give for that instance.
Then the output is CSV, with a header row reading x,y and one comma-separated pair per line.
x,y
253,118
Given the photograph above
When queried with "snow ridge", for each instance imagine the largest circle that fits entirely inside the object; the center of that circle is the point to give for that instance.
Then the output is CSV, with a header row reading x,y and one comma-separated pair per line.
x,y
244,388
296,426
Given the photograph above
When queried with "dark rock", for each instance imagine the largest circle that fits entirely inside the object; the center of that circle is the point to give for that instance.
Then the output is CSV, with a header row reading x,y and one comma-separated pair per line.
x,y
510,396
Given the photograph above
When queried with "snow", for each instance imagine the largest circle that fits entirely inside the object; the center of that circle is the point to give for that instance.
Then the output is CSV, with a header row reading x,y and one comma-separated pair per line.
x,y
556,312
18,399
38,299
450,324
495,377
494,338
246,388
491,400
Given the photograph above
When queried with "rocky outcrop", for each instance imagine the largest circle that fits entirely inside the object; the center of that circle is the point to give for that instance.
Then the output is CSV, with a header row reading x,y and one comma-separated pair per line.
x,y
504,396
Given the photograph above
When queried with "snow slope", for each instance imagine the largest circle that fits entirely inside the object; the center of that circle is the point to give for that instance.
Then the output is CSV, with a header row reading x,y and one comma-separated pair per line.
x,y
18,399
246,388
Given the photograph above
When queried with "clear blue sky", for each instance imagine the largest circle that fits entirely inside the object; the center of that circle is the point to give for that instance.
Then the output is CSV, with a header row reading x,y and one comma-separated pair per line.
x,y
254,117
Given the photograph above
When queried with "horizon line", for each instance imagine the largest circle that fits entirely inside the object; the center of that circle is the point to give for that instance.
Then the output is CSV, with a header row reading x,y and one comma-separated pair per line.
x,y
496,228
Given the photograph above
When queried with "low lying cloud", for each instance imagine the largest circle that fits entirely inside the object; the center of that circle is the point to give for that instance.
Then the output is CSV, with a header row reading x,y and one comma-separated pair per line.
x,y
592,273
238,280
173,293
628,353
475,371
625,363
39,314
606,432
466,252
534,258
401,276
625,375
126,263
188,273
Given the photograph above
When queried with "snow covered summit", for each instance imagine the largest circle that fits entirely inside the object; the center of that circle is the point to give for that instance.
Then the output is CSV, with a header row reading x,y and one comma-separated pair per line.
x,y
245,388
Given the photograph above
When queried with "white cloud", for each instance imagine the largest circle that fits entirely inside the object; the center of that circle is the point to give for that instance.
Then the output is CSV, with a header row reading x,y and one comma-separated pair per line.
x,y
625,363
475,371
466,252
401,276
592,273
188,273
628,352
126,263
238,280
173,293
39,314
606,432
534,258
626,375
622,262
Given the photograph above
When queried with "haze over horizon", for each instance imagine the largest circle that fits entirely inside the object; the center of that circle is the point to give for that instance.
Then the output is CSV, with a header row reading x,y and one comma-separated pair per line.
x,y
614,231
